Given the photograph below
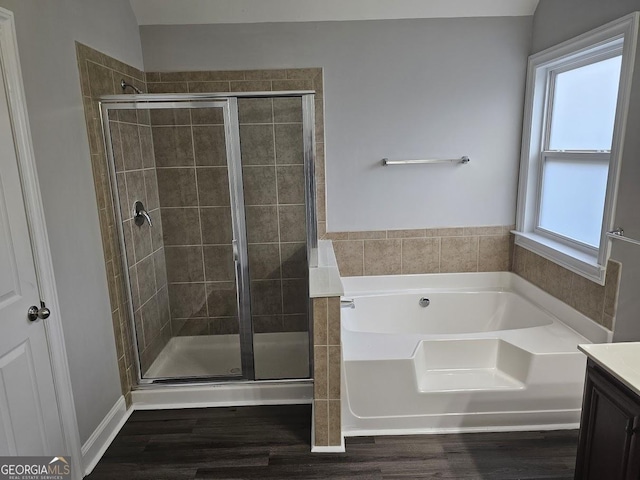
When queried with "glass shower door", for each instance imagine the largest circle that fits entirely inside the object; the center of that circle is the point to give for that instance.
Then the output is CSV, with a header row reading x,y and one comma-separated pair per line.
x,y
179,187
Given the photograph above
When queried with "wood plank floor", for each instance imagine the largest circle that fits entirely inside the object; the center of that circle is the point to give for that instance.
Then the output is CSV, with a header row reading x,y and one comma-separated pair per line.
x,y
273,443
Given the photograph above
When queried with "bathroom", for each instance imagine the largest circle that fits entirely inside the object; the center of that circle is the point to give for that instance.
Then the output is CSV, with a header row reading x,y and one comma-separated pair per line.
x,y
387,83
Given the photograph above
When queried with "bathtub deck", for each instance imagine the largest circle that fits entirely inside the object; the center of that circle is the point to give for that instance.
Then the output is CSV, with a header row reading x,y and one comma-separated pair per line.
x,y
273,443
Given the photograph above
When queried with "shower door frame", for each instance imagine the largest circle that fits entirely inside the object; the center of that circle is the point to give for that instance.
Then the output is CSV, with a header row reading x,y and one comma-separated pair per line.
x,y
227,101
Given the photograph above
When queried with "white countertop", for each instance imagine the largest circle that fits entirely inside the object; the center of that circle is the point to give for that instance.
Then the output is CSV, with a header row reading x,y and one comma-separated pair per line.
x,y
324,280
622,360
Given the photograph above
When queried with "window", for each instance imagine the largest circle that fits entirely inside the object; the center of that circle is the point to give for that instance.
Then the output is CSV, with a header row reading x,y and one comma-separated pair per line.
x,y
577,97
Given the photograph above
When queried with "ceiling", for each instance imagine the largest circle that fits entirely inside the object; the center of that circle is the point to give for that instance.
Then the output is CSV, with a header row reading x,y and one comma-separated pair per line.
x,y
187,12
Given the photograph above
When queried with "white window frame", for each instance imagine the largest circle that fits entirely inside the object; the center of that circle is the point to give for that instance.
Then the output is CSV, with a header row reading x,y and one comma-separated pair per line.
x,y
619,36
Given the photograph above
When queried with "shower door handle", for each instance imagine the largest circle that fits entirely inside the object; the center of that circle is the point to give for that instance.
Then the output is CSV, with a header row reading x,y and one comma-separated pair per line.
x,y
234,246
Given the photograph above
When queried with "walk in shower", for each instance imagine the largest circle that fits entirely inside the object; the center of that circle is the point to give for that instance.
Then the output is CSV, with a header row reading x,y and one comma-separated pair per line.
x,y
216,214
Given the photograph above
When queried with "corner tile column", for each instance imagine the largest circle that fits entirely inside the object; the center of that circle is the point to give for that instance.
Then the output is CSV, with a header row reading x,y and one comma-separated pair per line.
x,y
326,374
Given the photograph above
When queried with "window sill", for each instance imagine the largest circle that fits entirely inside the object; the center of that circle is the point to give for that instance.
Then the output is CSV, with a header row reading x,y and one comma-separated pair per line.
x,y
570,258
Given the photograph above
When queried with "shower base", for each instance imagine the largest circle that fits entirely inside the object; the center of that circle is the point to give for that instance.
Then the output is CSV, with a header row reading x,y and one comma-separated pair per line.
x,y
277,356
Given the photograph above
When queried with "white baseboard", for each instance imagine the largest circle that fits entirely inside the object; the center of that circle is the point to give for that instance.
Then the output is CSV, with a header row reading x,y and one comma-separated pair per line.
x,y
329,449
103,435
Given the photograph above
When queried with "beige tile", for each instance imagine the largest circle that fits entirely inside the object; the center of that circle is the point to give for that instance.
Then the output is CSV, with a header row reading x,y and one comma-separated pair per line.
x,y
295,323
135,292
458,254
291,184
177,187
255,110
350,257
216,225
262,224
418,233
520,257
289,144
302,73
333,328
266,297
287,110
287,85
420,255
218,263
294,260
150,320
173,146
537,267
321,422
257,145
332,235
450,232
146,145
190,327
295,296
213,186
208,87
292,223
491,230
100,80
116,145
335,423
493,253
168,87
264,261
215,76
260,187
320,372
156,231
608,321
320,321
557,281
251,86
141,238
184,264
209,146
135,189
334,365
587,297
612,282
181,226
222,299
320,164
371,235
382,257
164,309
274,74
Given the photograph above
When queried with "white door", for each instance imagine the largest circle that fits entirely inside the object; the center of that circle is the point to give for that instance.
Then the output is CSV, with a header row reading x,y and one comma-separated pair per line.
x,y
29,415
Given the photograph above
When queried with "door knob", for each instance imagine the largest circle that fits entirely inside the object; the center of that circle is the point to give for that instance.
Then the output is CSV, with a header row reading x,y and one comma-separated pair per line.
x,y
34,313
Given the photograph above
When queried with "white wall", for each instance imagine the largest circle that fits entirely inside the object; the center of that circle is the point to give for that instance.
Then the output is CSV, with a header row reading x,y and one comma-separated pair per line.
x,y
393,88
46,33
559,20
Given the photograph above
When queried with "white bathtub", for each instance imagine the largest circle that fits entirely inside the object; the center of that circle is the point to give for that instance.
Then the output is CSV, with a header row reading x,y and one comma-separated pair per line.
x,y
491,352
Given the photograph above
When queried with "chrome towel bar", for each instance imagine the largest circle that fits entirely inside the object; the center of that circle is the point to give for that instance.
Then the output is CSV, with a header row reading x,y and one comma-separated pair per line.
x,y
618,234
463,160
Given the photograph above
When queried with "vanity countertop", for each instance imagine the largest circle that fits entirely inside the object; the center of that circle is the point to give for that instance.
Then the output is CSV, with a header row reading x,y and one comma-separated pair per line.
x,y
622,360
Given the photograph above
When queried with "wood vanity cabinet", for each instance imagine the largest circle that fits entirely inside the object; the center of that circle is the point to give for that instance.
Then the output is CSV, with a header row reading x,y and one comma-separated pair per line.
x,y
609,442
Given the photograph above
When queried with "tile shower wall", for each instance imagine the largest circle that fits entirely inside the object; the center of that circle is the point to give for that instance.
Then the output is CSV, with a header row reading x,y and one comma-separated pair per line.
x,y
597,302
193,187
443,250
100,75
273,176
137,181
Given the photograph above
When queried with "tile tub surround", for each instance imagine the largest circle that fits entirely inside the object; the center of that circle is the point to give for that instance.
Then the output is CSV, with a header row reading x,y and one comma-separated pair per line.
x,y
597,302
136,180
100,75
327,366
441,250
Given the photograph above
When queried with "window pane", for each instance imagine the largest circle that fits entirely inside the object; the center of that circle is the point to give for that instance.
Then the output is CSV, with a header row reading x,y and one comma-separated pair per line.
x,y
584,106
572,202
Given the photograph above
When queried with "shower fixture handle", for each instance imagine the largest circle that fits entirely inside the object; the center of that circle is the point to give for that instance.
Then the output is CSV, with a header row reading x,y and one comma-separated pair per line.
x,y
140,214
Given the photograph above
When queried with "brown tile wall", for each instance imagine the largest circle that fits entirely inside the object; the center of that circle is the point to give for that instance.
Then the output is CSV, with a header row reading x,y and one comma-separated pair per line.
x,y
136,180
597,302
100,75
271,148
327,366
193,192
395,252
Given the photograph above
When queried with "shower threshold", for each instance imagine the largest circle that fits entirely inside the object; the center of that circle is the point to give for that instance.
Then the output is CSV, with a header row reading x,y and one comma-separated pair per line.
x,y
276,356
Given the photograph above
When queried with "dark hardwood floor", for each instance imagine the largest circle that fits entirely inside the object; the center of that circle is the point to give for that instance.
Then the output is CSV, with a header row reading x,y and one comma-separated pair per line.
x,y
273,443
